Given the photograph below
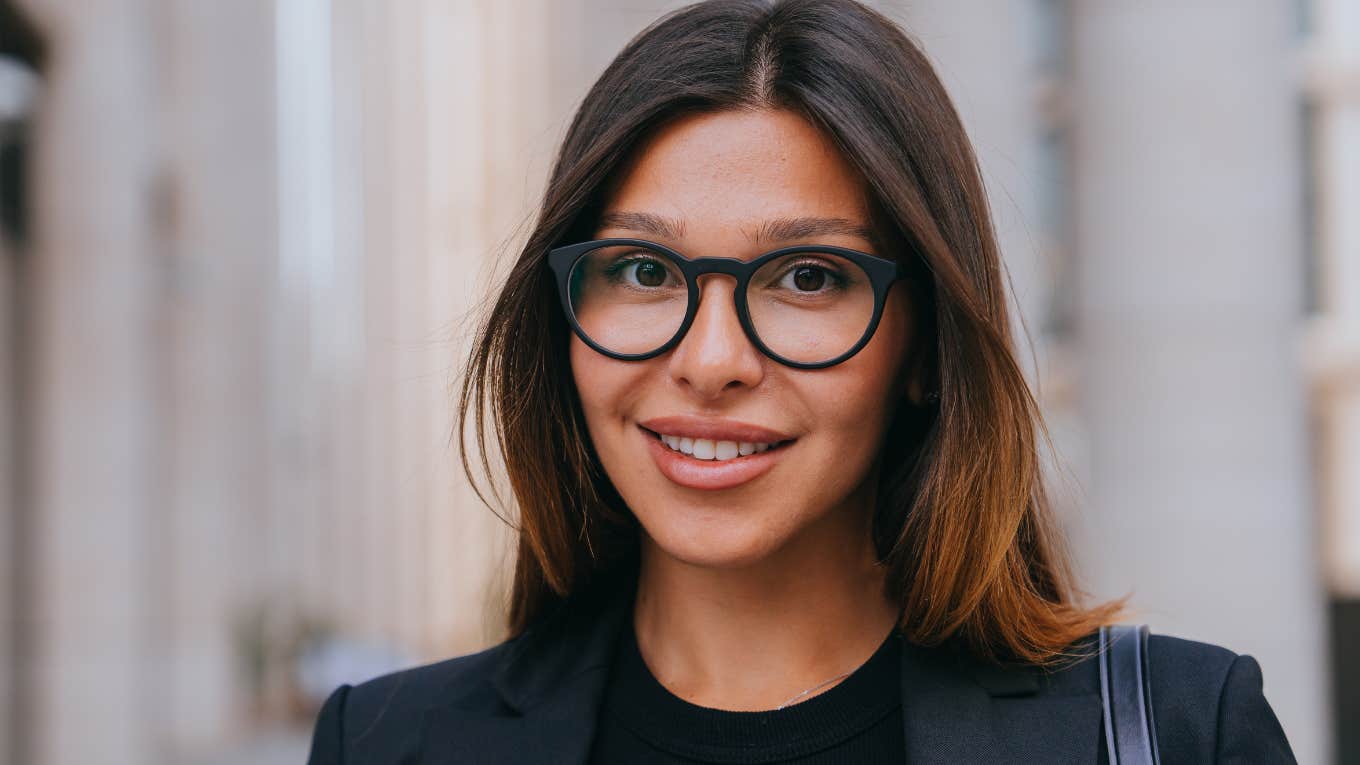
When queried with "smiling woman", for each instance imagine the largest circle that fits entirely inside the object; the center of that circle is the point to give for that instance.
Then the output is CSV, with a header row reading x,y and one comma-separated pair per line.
x,y
807,502
774,462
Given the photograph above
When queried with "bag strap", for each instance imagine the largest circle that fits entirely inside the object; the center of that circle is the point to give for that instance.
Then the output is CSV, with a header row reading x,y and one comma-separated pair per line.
x,y
1126,695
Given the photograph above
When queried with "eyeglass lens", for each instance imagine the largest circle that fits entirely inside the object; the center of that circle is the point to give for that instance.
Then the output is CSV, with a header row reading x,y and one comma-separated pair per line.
x,y
806,307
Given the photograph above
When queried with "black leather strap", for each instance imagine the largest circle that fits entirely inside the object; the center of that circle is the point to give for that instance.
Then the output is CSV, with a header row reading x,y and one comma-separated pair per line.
x,y
1126,695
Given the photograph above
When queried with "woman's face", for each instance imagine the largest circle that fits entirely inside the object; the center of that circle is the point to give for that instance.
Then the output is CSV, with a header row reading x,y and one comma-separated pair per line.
x,y
719,180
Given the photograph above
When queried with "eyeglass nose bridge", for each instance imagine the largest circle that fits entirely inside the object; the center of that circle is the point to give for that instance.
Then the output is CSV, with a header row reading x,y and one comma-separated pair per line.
x,y
737,269
741,272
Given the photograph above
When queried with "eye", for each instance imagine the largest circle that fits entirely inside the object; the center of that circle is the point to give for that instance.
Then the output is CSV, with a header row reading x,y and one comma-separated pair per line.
x,y
640,270
647,273
809,277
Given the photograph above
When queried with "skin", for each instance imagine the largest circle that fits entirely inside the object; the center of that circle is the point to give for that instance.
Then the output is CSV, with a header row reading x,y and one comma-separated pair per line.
x,y
749,595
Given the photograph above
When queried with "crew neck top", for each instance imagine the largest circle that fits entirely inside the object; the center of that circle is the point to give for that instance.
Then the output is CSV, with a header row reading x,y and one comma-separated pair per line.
x,y
857,720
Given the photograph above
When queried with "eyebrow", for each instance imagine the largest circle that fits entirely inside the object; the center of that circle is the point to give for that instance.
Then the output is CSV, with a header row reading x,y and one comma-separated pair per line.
x,y
774,230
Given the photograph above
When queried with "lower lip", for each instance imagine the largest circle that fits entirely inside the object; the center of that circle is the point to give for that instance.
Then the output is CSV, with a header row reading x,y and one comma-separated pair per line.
x,y
710,475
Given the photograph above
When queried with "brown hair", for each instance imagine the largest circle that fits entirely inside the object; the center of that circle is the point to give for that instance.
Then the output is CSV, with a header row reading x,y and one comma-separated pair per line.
x,y
963,525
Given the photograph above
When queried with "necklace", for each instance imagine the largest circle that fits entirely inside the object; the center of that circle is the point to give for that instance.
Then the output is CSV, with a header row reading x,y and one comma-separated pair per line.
x,y
813,688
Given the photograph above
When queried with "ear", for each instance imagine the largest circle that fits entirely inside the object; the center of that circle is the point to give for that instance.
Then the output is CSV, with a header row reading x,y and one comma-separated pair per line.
x,y
922,399
919,376
915,389
917,381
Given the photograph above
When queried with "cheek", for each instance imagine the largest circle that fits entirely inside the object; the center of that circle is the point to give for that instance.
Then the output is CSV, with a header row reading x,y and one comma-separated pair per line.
x,y
606,388
852,416
849,408
594,379
863,392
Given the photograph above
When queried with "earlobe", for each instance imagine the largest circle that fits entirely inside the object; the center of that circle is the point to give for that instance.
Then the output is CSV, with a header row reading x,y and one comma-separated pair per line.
x,y
919,387
921,400
922,384
914,394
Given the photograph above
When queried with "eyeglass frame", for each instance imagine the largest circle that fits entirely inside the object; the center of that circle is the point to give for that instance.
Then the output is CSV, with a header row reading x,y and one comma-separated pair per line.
x,y
882,273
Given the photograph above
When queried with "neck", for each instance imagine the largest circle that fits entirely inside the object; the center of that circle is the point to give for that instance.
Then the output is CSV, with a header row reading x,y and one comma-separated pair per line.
x,y
752,637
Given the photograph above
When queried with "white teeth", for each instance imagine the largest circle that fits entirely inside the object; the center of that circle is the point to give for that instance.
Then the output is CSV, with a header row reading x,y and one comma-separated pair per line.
x,y
708,449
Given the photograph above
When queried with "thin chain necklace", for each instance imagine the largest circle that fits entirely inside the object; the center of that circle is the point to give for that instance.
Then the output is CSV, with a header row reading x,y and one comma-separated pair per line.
x,y
813,688
818,686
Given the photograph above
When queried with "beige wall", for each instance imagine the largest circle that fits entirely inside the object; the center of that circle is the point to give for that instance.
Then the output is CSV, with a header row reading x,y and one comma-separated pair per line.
x,y
93,381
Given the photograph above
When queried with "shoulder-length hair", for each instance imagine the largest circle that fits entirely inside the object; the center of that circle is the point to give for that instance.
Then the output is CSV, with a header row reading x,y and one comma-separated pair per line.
x,y
963,525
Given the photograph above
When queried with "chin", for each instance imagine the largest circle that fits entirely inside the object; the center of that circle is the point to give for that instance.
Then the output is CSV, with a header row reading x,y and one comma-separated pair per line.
x,y
705,541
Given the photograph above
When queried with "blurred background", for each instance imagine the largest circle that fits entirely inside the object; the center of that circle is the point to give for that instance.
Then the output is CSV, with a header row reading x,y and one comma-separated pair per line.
x,y
243,243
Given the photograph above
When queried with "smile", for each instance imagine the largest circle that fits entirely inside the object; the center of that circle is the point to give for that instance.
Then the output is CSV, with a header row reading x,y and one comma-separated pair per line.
x,y
711,455
708,449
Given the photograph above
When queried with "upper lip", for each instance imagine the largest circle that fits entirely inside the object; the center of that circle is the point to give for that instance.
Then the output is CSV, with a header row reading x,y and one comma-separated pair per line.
x,y
713,428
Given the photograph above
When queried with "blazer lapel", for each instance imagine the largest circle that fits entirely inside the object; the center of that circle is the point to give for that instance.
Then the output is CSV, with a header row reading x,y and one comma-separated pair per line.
x,y
956,709
559,730
551,681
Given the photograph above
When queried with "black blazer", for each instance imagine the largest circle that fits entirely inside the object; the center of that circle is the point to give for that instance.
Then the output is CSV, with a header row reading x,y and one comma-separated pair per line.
x,y
534,699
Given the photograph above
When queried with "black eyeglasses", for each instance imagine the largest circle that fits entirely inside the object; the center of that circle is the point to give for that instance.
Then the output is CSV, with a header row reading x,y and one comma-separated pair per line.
x,y
807,306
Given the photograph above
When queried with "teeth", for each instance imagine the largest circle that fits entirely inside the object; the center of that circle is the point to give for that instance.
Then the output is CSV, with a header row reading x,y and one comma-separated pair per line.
x,y
707,449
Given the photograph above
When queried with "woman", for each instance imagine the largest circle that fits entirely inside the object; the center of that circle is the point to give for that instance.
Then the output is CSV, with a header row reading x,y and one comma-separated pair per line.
x,y
774,461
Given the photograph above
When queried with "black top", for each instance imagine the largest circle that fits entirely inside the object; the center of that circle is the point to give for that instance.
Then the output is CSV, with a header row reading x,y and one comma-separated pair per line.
x,y
856,720
536,699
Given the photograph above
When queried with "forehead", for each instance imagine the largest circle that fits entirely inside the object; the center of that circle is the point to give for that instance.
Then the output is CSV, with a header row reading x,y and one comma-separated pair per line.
x,y
739,168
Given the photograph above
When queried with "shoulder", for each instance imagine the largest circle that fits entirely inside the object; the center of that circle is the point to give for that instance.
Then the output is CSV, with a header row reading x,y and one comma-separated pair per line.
x,y
1209,705
381,719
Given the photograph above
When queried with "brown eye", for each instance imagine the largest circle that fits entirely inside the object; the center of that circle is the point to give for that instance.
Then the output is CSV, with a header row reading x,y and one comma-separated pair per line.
x,y
650,274
809,279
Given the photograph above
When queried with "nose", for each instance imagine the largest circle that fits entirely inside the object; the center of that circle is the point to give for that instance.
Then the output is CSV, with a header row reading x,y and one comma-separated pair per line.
x,y
715,355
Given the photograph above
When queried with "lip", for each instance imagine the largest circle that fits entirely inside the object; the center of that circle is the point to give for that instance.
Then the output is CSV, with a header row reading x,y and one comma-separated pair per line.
x,y
712,475
714,429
